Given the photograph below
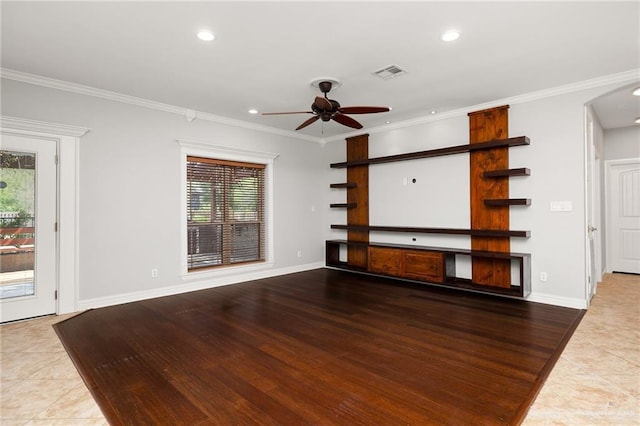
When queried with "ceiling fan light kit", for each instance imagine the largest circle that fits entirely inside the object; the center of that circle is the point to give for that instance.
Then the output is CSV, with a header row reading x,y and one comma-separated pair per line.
x,y
326,109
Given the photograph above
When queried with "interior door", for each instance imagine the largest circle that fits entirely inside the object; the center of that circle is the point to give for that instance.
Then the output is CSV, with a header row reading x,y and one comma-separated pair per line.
x,y
28,184
624,216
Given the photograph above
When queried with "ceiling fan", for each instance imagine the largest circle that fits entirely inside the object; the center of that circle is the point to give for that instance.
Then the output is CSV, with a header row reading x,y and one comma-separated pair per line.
x,y
329,109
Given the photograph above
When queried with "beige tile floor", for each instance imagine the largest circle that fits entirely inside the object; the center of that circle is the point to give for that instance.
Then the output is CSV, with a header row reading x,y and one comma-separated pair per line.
x,y
39,384
595,382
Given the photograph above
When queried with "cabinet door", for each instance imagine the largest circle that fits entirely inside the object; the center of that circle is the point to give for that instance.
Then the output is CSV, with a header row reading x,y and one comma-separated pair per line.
x,y
385,261
424,266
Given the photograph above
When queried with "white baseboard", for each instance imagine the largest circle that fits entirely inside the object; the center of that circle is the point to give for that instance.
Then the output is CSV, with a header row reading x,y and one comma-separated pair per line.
x,y
550,299
101,302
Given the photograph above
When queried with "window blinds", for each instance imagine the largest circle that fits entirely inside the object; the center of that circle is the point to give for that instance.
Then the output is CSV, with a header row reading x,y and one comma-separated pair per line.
x,y
225,213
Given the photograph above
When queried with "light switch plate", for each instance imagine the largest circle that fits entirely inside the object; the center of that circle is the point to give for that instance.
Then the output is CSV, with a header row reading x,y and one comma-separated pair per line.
x,y
561,206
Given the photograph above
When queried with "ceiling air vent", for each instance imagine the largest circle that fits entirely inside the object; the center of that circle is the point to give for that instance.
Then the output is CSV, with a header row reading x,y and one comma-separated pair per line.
x,y
389,72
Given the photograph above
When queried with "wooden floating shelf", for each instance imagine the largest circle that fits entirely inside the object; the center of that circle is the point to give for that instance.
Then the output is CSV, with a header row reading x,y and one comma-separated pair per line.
x,y
517,141
474,253
344,205
507,172
344,185
449,231
508,202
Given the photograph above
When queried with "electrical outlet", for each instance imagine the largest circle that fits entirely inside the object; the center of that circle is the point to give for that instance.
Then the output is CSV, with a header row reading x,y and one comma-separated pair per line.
x,y
299,253
154,273
543,277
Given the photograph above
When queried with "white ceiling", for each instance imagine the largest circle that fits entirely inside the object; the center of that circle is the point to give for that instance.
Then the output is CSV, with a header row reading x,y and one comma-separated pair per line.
x,y
266,53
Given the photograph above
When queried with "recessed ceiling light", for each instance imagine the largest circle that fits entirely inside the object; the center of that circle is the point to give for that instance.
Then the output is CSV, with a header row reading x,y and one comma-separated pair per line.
x,y
636,92
433,111
450,35
205,35
638,120
253,111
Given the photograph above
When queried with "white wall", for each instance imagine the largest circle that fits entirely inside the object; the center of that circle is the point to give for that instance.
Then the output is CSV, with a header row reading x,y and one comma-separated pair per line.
x,y
556,158
622,143
130,191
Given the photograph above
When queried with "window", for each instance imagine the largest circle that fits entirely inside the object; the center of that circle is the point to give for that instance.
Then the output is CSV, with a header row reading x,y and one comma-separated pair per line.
x,y
225,212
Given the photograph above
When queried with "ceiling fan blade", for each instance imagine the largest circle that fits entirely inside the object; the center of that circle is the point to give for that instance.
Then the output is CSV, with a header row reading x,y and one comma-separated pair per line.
x,y
347,121
292,112
362,109
309,121
323,103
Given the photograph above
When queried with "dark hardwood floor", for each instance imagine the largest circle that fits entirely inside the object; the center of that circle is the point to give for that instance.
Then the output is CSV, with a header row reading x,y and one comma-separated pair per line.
x,y
318,347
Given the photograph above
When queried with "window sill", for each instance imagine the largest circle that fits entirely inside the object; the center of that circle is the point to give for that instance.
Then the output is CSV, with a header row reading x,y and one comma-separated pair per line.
x,y
226,271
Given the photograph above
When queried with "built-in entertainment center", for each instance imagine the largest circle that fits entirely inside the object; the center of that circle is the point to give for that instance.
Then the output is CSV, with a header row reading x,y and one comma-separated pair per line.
x,y
491,258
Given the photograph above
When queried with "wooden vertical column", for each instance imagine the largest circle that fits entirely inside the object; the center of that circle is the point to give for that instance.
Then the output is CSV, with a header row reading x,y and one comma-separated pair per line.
x,y
487,125
358,149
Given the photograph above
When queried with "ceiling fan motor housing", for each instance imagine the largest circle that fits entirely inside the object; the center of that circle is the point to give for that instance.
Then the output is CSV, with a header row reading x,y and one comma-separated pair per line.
x,y
335,105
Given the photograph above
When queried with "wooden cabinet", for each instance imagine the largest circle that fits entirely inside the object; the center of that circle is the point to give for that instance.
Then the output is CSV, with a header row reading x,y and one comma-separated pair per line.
x,y
410,264
425,266
385,261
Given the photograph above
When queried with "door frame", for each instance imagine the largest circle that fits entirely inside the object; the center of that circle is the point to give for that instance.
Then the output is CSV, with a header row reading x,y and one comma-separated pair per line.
x,y
67,140
592,200
608,165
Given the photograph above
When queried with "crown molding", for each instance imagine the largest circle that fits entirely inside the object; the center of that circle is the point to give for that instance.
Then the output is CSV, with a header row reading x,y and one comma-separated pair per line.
x,y
258,127
623,77
188,113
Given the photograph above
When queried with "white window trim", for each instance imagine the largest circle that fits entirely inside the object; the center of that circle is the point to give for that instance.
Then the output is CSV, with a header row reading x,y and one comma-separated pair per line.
x,y
207,150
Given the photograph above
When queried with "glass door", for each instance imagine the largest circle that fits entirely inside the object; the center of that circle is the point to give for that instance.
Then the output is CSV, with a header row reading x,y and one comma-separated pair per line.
x,y
27,227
